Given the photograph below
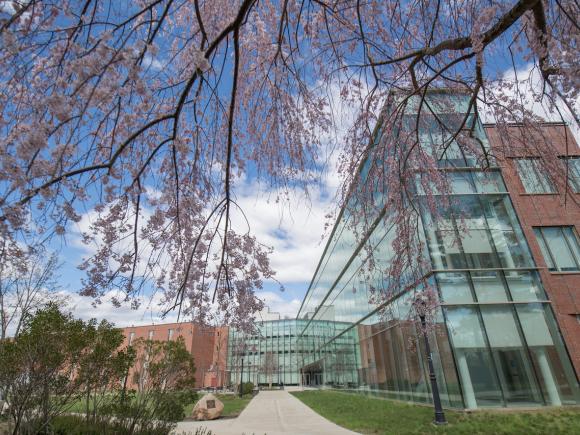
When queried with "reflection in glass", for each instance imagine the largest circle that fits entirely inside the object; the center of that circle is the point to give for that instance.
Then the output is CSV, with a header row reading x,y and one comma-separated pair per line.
x,y
478,380
548,355
489,286
573,164
479,232
560,248
524,285
491,349
454,288
507,234
533,176
514,369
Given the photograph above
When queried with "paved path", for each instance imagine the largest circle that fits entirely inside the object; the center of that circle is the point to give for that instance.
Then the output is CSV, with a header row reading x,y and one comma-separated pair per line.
x,y
270,413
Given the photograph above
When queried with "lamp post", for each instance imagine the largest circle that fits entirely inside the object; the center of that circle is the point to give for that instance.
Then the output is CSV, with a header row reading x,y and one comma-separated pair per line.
x,y
439,414
242,378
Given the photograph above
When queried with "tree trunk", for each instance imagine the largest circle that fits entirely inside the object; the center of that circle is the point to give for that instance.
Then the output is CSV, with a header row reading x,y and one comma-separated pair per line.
x,y
17,420
88,409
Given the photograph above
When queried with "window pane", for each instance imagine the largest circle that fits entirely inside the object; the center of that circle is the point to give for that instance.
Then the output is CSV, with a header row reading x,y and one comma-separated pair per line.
x,y
532,176
489,182
500,326
559,248
572,238
489,286
444,362
453,156
524,286
548,355
574,173
506,232
476,239
474,364
515,371
443,244
544,249
454,288
461,182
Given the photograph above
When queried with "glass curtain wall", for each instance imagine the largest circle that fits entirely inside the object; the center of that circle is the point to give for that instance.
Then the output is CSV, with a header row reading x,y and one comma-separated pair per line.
x,y
495,341
490,292
273,355
270,355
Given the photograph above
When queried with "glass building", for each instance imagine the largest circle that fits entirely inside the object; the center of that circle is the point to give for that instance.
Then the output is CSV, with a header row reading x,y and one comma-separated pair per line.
x,y
273,354
269,355
495,342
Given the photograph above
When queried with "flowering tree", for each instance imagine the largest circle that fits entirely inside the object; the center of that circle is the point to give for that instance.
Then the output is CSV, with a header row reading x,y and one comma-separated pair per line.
x,y
147,113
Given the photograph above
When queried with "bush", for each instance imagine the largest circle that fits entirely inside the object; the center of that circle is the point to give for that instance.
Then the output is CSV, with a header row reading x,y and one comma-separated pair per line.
x,y
247,388
75,425
152,412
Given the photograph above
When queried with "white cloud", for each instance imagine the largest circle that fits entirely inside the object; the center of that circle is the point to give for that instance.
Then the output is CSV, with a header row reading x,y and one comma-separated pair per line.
x,y
82,307
293,229
149,312
7,7
529,85
278,304
152,62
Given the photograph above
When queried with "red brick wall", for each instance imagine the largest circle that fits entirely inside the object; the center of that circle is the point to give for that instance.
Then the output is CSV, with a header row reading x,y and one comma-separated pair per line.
x,y
217,376
560,209
200,341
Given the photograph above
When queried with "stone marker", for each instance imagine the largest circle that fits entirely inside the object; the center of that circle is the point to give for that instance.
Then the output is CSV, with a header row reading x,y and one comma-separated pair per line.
x,y
209,407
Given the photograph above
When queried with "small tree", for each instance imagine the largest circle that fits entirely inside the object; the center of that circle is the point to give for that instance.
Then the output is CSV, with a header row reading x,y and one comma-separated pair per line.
x,y
37,369
269,366
103,366
164,373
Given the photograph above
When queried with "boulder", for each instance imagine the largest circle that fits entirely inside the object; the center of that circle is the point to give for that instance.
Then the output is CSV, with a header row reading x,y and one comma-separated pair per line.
x,y
209,407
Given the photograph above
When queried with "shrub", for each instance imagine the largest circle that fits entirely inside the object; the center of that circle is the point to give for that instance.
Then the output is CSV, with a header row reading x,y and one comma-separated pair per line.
x,y
247,388
75,425
153,412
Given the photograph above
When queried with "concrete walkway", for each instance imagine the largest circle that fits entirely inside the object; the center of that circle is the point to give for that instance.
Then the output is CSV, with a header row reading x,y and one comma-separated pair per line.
x,y
270,413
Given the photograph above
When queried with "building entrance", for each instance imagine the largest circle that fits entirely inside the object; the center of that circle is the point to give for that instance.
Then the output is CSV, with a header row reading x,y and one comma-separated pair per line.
x,y
312,375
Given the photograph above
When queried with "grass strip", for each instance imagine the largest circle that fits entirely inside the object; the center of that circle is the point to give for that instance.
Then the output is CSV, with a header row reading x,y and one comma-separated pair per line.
x,y
371,415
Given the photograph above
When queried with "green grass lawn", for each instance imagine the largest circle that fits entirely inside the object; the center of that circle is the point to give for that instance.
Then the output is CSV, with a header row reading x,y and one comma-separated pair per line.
x,y
233,404
370,415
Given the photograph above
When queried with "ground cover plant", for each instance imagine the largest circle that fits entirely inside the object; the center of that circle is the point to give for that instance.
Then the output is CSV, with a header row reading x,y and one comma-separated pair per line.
x,y
371,415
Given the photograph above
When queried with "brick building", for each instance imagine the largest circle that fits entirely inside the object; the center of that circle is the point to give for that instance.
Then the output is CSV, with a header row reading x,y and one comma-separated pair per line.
x,y
207,345
549,212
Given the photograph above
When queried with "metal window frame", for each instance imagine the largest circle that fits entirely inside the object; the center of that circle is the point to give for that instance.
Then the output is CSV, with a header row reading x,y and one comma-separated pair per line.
x,y
553,258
